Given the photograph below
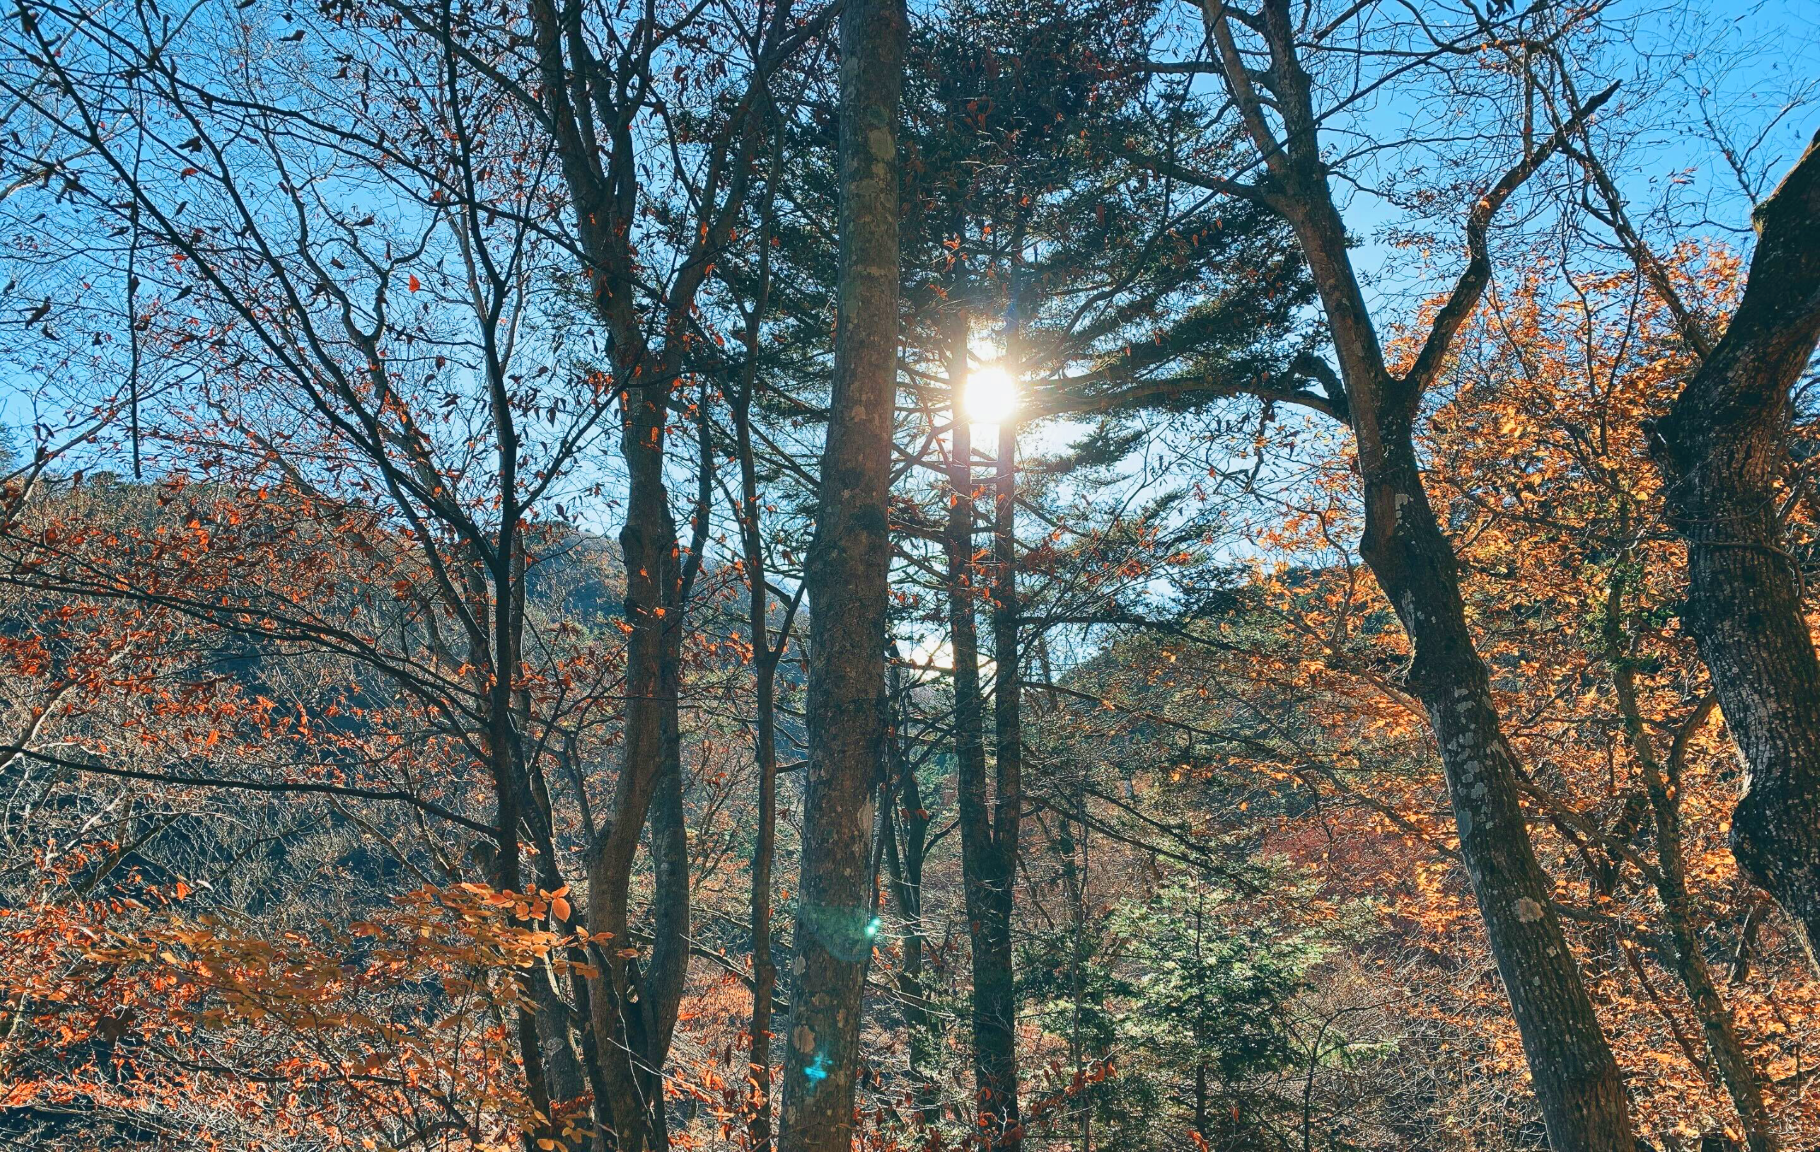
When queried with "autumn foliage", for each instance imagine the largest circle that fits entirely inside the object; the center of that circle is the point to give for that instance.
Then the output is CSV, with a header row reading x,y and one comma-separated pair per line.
x,y
440,697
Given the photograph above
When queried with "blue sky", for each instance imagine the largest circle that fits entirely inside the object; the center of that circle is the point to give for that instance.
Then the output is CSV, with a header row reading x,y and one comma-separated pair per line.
x,y
1752,67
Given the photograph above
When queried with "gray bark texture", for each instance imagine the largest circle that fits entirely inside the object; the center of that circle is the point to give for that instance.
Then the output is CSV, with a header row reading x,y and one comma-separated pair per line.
x,y
846,575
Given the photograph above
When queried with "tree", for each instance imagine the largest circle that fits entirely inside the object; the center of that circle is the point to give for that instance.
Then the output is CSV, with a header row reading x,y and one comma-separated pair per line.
x,y
846,583
1210,1010
310,292
1576,1078
1720,448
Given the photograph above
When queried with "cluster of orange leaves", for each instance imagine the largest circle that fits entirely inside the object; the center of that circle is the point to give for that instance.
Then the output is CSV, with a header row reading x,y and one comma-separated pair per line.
x,y
375,1032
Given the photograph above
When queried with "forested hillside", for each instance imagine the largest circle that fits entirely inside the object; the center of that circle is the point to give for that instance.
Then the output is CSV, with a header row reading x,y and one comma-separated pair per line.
x,y
864,576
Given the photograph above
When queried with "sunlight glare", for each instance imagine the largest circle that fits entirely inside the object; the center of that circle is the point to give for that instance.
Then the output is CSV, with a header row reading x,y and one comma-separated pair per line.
x,y
991,394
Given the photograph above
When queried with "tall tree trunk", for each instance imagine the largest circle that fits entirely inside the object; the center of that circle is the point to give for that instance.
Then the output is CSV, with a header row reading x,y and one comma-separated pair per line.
x,y
846,575
1074,873
1574,1073
626,1028
986,888
556,1018
764,851
1575,1076
506,876
1720,449
765,657
493,655
904,866
995,987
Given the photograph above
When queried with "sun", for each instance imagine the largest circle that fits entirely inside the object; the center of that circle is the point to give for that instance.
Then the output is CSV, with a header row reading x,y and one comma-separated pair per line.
x,y
991,395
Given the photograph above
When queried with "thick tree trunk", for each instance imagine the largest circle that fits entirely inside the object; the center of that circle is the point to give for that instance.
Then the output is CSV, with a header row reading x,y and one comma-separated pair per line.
x,y
1576,1078
1720,449
846,575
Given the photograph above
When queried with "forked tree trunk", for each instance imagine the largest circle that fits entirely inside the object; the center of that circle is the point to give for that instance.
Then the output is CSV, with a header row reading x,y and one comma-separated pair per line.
x,y
626,1021
846,574
625,1029
1720,450
1574,1073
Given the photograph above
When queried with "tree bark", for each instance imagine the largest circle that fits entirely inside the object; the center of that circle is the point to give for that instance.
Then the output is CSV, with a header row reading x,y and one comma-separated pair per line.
x,y
602,200
494,655
1729,1056
563,1071
627,1027
670,911
846,575
904,868
765,658
995,991
1720,449
987,885
764,851
633,1019
1575,1076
